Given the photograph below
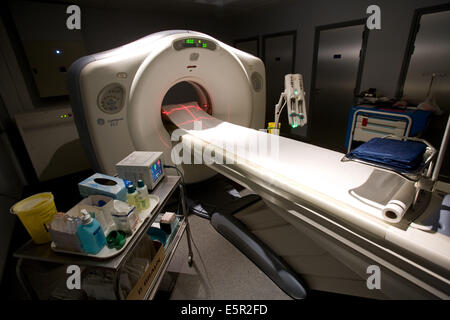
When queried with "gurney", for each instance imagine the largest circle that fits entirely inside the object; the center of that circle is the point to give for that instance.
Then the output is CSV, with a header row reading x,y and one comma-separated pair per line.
x,y
309,187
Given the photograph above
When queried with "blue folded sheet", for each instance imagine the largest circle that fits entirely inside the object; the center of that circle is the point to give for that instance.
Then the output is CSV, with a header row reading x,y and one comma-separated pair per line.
x,y
397,154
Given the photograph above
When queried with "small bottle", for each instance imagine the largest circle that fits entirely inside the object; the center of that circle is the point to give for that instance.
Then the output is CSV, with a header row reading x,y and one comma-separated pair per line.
x,y
132,197
143,198
91,234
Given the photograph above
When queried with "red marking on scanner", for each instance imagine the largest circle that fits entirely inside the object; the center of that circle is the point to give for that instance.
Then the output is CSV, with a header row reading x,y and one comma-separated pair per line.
x,y
193,120
188,110
183,107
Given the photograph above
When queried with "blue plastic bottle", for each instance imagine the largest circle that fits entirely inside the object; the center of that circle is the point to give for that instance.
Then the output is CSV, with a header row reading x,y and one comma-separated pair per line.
x,y
91,234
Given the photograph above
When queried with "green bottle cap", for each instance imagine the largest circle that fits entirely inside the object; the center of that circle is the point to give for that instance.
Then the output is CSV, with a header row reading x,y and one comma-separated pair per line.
x,y
131,189
141,183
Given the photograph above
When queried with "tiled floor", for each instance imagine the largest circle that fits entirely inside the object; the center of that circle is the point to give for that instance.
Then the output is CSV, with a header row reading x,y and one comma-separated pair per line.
x,y
220,271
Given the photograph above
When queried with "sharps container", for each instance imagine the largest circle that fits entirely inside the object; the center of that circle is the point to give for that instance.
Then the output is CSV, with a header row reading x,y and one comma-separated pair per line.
x,y
36,213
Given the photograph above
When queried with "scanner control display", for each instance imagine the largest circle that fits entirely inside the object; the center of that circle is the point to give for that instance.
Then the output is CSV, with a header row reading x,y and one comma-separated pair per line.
x,y
156,170
194,43
111,98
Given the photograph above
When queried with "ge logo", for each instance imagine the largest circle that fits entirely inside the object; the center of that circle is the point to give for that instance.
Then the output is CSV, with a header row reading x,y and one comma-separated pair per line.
x,y
74,279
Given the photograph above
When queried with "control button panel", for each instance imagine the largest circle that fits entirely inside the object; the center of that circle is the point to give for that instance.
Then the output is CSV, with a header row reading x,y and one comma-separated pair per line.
x,y
111,98
257,81
156,170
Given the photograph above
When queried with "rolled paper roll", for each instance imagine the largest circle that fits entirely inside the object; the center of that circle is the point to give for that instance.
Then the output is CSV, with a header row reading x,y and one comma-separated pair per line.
x,y
396,208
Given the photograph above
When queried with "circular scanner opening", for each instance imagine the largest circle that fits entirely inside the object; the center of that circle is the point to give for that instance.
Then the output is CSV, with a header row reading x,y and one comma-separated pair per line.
x,y
184,93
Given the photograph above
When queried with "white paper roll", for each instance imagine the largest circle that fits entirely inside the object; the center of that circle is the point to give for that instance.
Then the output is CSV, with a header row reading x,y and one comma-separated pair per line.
x,y
400,203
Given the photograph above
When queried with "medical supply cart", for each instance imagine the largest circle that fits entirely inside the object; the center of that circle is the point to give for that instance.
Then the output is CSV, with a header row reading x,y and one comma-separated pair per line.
x,y
44,253
366,122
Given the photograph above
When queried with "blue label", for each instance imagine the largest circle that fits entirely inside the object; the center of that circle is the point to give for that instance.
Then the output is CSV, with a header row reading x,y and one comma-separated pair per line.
x,y
96,231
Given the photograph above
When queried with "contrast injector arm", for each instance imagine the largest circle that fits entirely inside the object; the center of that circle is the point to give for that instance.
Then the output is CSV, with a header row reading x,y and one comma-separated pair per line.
x,y
294,97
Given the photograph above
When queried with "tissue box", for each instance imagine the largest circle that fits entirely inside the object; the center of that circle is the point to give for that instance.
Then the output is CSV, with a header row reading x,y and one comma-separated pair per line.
x,y
102,184
63,231
142,165
66,241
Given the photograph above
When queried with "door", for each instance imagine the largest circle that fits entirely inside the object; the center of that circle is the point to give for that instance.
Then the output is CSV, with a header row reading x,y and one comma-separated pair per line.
x,y
427,58
249,45
431,55
336,74
279,59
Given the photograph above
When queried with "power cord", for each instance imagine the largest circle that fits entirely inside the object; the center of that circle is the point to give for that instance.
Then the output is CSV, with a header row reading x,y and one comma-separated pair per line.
x,y
189,208
166,166
180,173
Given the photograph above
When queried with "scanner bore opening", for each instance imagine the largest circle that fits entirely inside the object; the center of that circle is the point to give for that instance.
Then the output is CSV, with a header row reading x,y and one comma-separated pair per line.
x,y
185,92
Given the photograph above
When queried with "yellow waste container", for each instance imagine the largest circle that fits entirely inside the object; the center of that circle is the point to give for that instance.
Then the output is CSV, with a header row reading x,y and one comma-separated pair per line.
x,y
271,126
36,213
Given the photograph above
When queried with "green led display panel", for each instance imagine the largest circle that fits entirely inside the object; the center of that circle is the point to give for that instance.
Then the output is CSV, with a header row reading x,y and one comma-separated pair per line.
x,y
194,43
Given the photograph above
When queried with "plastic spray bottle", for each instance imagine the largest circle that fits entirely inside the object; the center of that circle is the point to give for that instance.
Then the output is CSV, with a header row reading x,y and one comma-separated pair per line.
x,y
91,234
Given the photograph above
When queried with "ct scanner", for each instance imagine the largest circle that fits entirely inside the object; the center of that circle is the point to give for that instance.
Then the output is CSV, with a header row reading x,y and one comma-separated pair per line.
x,y
322,217
118,94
